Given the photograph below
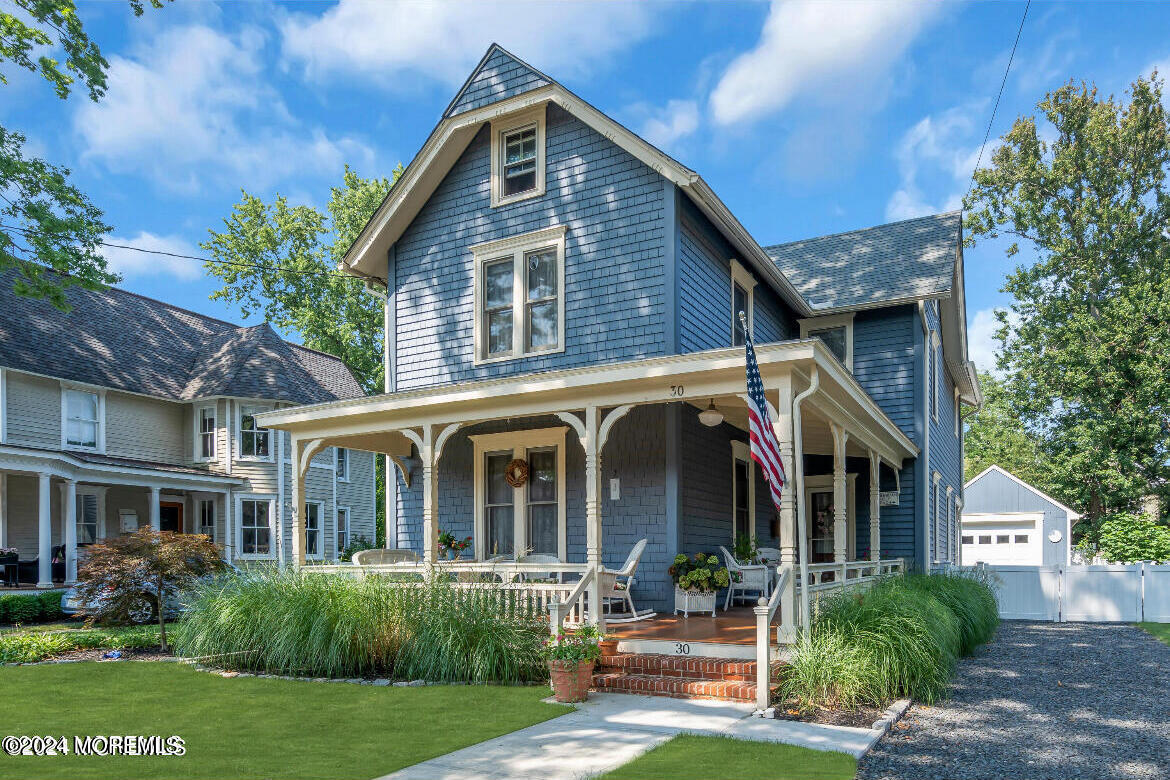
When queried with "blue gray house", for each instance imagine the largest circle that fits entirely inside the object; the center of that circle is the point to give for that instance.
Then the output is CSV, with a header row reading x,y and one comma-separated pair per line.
x,y
565,367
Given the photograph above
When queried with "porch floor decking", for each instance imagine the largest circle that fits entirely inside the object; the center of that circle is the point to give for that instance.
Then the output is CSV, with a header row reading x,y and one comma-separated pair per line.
x,y
736,626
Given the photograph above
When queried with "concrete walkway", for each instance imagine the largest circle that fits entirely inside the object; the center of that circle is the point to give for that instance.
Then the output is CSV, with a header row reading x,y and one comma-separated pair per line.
x,y
613,729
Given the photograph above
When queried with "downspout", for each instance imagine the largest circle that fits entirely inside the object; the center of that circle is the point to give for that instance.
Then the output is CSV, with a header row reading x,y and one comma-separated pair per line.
x,y
923,484
798,480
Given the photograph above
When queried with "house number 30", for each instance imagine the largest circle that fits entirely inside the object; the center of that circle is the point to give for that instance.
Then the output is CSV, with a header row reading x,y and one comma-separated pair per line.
x,y
677,390
682,648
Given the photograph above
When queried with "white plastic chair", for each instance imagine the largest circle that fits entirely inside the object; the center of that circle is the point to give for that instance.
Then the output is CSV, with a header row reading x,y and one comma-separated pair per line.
x,y
753,577
616,585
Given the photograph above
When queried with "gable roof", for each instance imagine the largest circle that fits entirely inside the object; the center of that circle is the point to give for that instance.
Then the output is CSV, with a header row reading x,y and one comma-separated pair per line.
x,y
1072,513
504,84
899,262
118,339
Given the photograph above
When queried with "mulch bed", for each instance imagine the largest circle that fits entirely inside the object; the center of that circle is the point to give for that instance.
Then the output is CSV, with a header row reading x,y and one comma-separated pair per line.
x,y
862,718
137,654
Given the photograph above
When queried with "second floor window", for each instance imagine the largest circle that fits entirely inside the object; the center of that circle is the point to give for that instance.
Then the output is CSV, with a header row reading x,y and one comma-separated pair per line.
x,y
835,331
205,420
342,464
742,300
520,295
517,149
82,419
255,442
519,161
833,338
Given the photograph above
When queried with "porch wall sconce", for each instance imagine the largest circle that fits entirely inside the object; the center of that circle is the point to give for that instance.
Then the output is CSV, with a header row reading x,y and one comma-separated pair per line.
x,y
711,416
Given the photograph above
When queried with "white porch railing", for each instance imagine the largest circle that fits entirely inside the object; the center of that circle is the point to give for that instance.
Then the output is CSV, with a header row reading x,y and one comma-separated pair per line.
x,y
571,609
829,576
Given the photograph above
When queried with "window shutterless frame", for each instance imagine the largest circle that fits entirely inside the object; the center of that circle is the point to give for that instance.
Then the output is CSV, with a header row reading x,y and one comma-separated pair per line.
x,y
813,326
341,463
83,419
255,442
255,527
518,157
206,431
743,286
520,296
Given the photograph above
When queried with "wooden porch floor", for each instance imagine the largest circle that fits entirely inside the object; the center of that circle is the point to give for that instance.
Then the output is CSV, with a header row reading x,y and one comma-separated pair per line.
x,y
736,626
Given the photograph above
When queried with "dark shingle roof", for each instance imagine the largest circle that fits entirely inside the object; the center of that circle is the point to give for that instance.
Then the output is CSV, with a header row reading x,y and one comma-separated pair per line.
x,y
903,260
117,339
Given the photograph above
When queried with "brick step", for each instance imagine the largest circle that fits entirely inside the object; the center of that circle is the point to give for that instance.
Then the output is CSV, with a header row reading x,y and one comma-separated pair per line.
x,y
675,666
676,687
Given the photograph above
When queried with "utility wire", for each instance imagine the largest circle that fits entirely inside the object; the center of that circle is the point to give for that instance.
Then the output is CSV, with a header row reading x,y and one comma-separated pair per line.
x,y
995,108
234,263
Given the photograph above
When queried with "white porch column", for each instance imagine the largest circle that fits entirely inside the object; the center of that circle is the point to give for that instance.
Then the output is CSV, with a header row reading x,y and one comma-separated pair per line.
x,y
45,534
593,508
875,509
155,522
391,504
840,508
297,449
430,495
69,496
3,509
784,436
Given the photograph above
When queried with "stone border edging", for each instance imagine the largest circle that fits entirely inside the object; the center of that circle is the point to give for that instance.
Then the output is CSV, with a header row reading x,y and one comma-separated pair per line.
x,y
879,729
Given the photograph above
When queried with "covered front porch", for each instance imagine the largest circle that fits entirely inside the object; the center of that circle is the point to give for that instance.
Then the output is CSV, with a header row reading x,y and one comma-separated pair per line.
x,y
616,454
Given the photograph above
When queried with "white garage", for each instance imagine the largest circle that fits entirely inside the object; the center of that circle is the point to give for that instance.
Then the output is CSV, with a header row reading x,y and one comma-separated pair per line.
x,y
1013,538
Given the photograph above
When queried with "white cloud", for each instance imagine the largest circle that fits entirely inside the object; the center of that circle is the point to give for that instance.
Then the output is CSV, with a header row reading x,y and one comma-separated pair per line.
x,y
828,52
193,104
677,120
443,41
982,345
129,262
938,153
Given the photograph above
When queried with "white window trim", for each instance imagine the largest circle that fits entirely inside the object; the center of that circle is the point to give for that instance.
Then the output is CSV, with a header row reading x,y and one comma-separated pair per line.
x,y
197,512
320,555
517,246
99,494
820,483
832,321
239,434
342,474
951,517
337,510
101,417
935,379
934,512
744,278
519,442
957,407
510,124
239,526
198,450
741,451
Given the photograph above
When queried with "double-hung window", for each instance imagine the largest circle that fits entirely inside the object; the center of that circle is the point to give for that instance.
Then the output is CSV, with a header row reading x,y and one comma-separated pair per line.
x,y
835,331
88,516
342,456
256,527
343,537
313,530
83,419
518,170
255,442
205,433
206,508
742,294
520,295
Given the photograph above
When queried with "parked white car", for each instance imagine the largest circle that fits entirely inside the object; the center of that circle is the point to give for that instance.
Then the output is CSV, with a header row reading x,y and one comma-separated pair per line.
x,y
143,609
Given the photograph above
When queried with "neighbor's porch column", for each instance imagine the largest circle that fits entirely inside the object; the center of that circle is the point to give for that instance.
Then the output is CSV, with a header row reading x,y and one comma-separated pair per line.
x,y
785,438
3,509
875,520
69,496
297,453
45,534
840,509
155,522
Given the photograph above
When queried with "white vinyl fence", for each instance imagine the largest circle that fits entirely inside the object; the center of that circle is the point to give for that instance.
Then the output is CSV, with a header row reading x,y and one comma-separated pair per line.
x,y
1095,594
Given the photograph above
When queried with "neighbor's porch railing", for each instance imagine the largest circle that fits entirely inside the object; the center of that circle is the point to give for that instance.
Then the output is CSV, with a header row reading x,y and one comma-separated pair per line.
x,y
823,577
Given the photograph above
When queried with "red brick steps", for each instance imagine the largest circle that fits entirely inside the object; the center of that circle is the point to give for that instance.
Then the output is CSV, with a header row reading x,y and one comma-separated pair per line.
x,y
651,674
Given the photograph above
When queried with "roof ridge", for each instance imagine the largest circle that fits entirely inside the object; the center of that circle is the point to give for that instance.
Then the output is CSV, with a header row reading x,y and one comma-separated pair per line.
x,y
863,229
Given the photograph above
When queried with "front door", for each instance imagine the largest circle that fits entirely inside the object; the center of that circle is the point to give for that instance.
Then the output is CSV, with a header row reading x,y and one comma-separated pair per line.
x,y
820,526
170,516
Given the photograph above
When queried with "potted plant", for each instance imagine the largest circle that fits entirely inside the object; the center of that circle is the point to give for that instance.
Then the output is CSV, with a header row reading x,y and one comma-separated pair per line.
x,y
608,644
696,579
746,551
450,546
571,657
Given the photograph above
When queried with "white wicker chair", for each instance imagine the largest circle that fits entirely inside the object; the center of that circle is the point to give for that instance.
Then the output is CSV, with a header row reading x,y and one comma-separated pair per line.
x,y
616,585
753,577
769,554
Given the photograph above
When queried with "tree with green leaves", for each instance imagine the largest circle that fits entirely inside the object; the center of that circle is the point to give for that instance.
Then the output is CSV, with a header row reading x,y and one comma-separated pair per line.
x,y
46,224
1086,353
996,436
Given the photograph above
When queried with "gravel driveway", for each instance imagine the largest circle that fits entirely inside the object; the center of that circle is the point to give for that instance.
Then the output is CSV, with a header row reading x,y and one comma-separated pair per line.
x,y
1042,700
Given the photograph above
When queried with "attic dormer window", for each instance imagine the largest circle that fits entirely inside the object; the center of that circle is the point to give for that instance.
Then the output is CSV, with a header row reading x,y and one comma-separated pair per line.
x,y
518,157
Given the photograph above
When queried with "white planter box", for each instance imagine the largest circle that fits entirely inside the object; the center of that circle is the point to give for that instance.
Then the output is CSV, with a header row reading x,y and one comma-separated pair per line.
x,y
687,601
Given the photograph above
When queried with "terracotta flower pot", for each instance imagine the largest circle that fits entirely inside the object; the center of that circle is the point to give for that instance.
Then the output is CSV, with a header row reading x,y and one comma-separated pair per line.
x,y
570,681
608,646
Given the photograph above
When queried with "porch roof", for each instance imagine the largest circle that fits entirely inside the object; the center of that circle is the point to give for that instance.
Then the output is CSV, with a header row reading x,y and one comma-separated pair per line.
x,y
375,422
111,470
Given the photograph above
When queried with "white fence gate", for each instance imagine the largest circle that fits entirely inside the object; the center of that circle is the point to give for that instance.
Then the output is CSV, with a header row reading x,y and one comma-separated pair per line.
x,y
1096,594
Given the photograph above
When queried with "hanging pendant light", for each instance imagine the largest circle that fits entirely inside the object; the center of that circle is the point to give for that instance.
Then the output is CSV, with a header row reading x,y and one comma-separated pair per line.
x,y
711,416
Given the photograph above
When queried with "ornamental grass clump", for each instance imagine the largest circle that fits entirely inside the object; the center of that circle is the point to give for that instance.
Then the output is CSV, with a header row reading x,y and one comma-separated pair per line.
x,y
900,638
320,625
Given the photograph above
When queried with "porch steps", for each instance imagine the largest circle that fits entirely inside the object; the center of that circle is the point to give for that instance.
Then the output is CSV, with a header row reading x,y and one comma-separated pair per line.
x,y
652,674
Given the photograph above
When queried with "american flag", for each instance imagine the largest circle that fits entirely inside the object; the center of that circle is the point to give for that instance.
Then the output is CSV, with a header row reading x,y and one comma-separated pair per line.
x,y
765,448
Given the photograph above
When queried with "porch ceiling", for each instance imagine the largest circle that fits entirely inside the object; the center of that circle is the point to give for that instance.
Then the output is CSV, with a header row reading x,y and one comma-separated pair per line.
x,y
375,423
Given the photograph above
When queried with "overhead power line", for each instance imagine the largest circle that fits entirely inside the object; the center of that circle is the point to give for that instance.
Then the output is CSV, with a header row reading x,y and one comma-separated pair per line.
x,y
1002,84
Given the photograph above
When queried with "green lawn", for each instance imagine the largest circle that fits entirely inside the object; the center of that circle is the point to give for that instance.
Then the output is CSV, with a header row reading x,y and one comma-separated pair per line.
x,y
250,728
1158,630
723,758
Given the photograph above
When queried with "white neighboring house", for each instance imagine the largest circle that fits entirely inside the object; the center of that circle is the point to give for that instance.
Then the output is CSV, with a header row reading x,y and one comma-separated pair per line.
x,y
129,412
1008,522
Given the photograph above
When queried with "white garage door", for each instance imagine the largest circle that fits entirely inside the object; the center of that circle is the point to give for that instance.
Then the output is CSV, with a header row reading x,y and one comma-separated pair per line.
x,y
1007,539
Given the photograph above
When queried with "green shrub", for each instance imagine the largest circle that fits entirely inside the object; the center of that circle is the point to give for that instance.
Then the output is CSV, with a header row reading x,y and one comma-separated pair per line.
x,y
36,646
34,607
293,622
50,606
1128,538
899,638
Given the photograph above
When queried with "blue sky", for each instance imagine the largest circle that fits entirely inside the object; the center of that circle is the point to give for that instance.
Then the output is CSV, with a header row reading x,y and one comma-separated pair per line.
x,y
806,118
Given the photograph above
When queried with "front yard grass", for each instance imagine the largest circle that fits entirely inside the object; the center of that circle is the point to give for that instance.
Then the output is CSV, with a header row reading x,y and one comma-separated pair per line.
x,y
724,758
250,728
1157,630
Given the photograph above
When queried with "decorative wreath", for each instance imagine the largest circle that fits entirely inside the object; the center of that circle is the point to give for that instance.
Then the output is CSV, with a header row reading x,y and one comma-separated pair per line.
x,y
517,473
